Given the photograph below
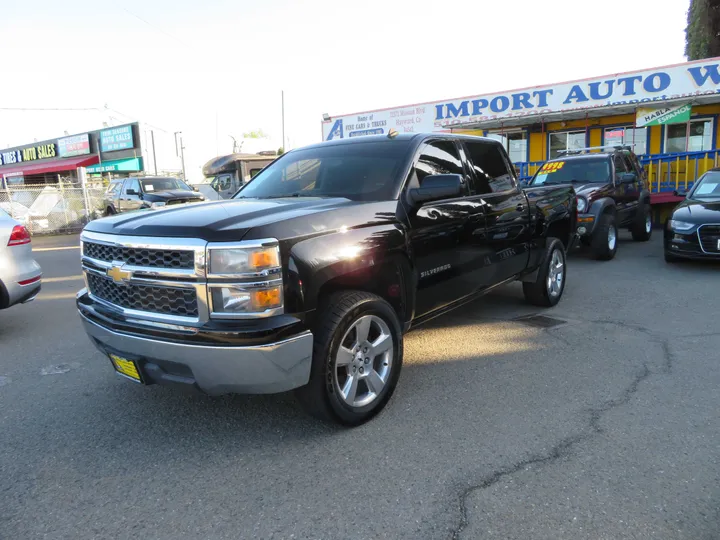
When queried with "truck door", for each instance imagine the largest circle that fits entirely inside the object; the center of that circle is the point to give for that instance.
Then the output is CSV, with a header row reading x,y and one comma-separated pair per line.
x,y
623,193
441,233
507,214
130,195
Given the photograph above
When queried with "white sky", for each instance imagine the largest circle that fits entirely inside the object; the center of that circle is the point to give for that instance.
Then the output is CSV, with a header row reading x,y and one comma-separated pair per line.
x,y
180,65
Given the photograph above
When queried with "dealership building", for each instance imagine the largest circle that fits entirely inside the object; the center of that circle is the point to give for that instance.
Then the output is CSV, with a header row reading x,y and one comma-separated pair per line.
x,y
669,115
114,150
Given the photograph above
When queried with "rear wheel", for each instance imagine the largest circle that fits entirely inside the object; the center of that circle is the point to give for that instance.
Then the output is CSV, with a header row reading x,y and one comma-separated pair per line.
x,y
109,211
642,228
604,240
548,288
357,357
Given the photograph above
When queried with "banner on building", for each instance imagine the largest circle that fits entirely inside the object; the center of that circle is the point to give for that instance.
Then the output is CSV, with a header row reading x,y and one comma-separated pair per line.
x,y
677,114
647,88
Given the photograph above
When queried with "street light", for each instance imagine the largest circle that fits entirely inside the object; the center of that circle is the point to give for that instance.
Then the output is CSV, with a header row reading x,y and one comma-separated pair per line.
x,y
182,152
326,117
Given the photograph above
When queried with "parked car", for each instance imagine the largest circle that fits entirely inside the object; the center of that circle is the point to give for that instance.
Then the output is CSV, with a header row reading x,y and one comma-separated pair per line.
x,y
309,278
124,195
20,274
693,229
612,193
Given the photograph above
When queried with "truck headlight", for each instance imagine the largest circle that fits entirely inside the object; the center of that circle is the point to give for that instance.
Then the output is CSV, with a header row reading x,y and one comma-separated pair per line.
x,y
237,261
246,300
680,225
581,204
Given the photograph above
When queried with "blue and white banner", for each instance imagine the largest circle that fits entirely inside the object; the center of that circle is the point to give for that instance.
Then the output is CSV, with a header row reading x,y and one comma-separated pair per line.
x,y
644,88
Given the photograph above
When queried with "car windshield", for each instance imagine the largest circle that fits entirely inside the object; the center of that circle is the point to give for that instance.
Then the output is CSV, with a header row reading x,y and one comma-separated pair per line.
x,y
151,185
569,171
708,187
364,171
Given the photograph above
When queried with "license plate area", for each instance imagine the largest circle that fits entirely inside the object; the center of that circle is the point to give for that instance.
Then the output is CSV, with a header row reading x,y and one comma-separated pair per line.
x,y
126,367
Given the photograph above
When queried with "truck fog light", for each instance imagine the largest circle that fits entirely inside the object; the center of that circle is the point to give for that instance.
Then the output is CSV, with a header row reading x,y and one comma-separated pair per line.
x,y
581,230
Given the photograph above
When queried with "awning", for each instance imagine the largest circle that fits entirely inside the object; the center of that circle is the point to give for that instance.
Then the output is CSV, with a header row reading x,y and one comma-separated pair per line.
x,y
51,166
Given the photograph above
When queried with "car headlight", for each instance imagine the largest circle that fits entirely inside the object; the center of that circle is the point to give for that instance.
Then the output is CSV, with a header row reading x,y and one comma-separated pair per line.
x,y
680,225
158,204
581,204
237,261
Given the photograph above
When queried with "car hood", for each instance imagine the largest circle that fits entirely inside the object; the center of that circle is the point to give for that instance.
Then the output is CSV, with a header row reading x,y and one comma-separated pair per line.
x,y
169,195
231,220
587,189
697,211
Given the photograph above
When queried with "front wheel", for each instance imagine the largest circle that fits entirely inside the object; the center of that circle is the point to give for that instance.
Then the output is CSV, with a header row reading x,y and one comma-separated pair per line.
x,y
357,357
642,229
604,239
548,288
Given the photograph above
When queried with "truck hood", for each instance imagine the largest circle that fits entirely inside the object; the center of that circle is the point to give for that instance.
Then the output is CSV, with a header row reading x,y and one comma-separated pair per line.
x,y
223,221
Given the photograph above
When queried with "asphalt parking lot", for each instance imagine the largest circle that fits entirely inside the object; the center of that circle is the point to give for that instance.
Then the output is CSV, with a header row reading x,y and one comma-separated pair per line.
x,y
603,426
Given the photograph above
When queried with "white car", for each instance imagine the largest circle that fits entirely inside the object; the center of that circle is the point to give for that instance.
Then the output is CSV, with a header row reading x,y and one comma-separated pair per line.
x,y
20,274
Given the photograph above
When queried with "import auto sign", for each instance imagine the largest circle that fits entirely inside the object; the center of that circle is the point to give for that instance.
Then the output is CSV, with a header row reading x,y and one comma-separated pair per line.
x,y
641,87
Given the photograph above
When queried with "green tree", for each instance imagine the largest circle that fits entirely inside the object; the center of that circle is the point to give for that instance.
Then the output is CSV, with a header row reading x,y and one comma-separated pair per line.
x,y
280,151
702,34
255,134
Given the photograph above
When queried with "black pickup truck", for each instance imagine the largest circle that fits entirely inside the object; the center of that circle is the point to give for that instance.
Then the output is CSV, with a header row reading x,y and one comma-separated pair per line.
x,y
309,278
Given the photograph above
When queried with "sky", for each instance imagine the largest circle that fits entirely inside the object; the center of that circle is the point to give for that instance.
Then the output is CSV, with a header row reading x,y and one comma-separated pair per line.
x,y
214,69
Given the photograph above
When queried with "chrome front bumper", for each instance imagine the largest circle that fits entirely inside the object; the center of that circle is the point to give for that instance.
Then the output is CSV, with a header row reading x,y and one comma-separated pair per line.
x,y
215,370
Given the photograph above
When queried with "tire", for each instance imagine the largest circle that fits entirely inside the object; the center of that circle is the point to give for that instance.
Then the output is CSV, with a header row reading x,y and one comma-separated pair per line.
x,y
548,288
604,239
642,229
109,211
337,327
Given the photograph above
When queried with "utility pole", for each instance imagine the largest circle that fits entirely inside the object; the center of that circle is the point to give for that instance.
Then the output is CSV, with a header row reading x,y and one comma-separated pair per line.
x,y
152,137
182,157
282,97
180,154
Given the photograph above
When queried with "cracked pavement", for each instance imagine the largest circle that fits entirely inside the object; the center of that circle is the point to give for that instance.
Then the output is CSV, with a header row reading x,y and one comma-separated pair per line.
x,y
602,427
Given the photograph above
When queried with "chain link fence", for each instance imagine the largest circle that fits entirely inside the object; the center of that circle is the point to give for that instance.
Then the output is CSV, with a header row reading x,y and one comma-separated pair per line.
x,y
53,209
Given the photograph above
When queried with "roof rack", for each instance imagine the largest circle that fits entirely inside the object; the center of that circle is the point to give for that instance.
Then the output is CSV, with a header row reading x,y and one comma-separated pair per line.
x,y
606,147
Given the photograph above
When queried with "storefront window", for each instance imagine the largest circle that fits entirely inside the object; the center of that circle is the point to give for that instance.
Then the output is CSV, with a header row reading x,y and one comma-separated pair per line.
x,y
568,140
515,144
699,140
637,138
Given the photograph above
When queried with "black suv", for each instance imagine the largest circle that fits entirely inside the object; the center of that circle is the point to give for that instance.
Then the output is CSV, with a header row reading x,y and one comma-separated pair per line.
x,y
611,188
124,195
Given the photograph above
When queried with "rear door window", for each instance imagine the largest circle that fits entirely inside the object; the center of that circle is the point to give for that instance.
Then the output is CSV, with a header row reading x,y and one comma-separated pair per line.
x,y
492,170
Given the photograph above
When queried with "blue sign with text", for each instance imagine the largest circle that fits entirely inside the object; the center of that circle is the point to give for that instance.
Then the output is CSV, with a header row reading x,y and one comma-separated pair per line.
x,y
119,138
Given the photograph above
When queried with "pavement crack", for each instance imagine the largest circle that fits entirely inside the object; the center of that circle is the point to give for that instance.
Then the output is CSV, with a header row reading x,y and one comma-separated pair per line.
x,y
564,447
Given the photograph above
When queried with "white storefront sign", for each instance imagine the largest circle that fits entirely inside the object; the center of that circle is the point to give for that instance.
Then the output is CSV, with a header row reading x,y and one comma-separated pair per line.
x,y
641,87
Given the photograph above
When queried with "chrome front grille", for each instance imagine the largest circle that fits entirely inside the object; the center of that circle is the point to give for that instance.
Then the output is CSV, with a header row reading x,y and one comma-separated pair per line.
x,y
147,278
178,302
150,258
709,236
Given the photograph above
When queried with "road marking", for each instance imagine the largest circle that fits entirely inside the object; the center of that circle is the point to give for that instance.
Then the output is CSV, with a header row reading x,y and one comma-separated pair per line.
x,y
55,248
79,277
63,296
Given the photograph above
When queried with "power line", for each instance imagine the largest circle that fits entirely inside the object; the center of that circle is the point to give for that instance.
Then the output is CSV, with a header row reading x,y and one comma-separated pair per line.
x,y
50,109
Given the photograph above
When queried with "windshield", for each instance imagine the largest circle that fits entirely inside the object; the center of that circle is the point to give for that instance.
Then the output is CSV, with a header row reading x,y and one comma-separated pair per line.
x,y
150,185
708,187
580,170
367,171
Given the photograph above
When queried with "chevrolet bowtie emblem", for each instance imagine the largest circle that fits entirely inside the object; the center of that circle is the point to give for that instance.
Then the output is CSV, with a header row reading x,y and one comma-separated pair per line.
x,y
119,275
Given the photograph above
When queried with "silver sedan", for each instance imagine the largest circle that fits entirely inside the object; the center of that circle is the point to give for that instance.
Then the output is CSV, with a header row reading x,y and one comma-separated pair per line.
x,y
20,274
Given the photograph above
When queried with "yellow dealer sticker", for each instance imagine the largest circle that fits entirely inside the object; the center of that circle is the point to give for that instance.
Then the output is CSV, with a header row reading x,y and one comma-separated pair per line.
x,y
553,166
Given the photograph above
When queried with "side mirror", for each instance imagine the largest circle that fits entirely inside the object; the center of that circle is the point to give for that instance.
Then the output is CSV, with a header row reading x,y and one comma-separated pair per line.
x,y
523,183
131,192
628,178
435,187
194,188
680,193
